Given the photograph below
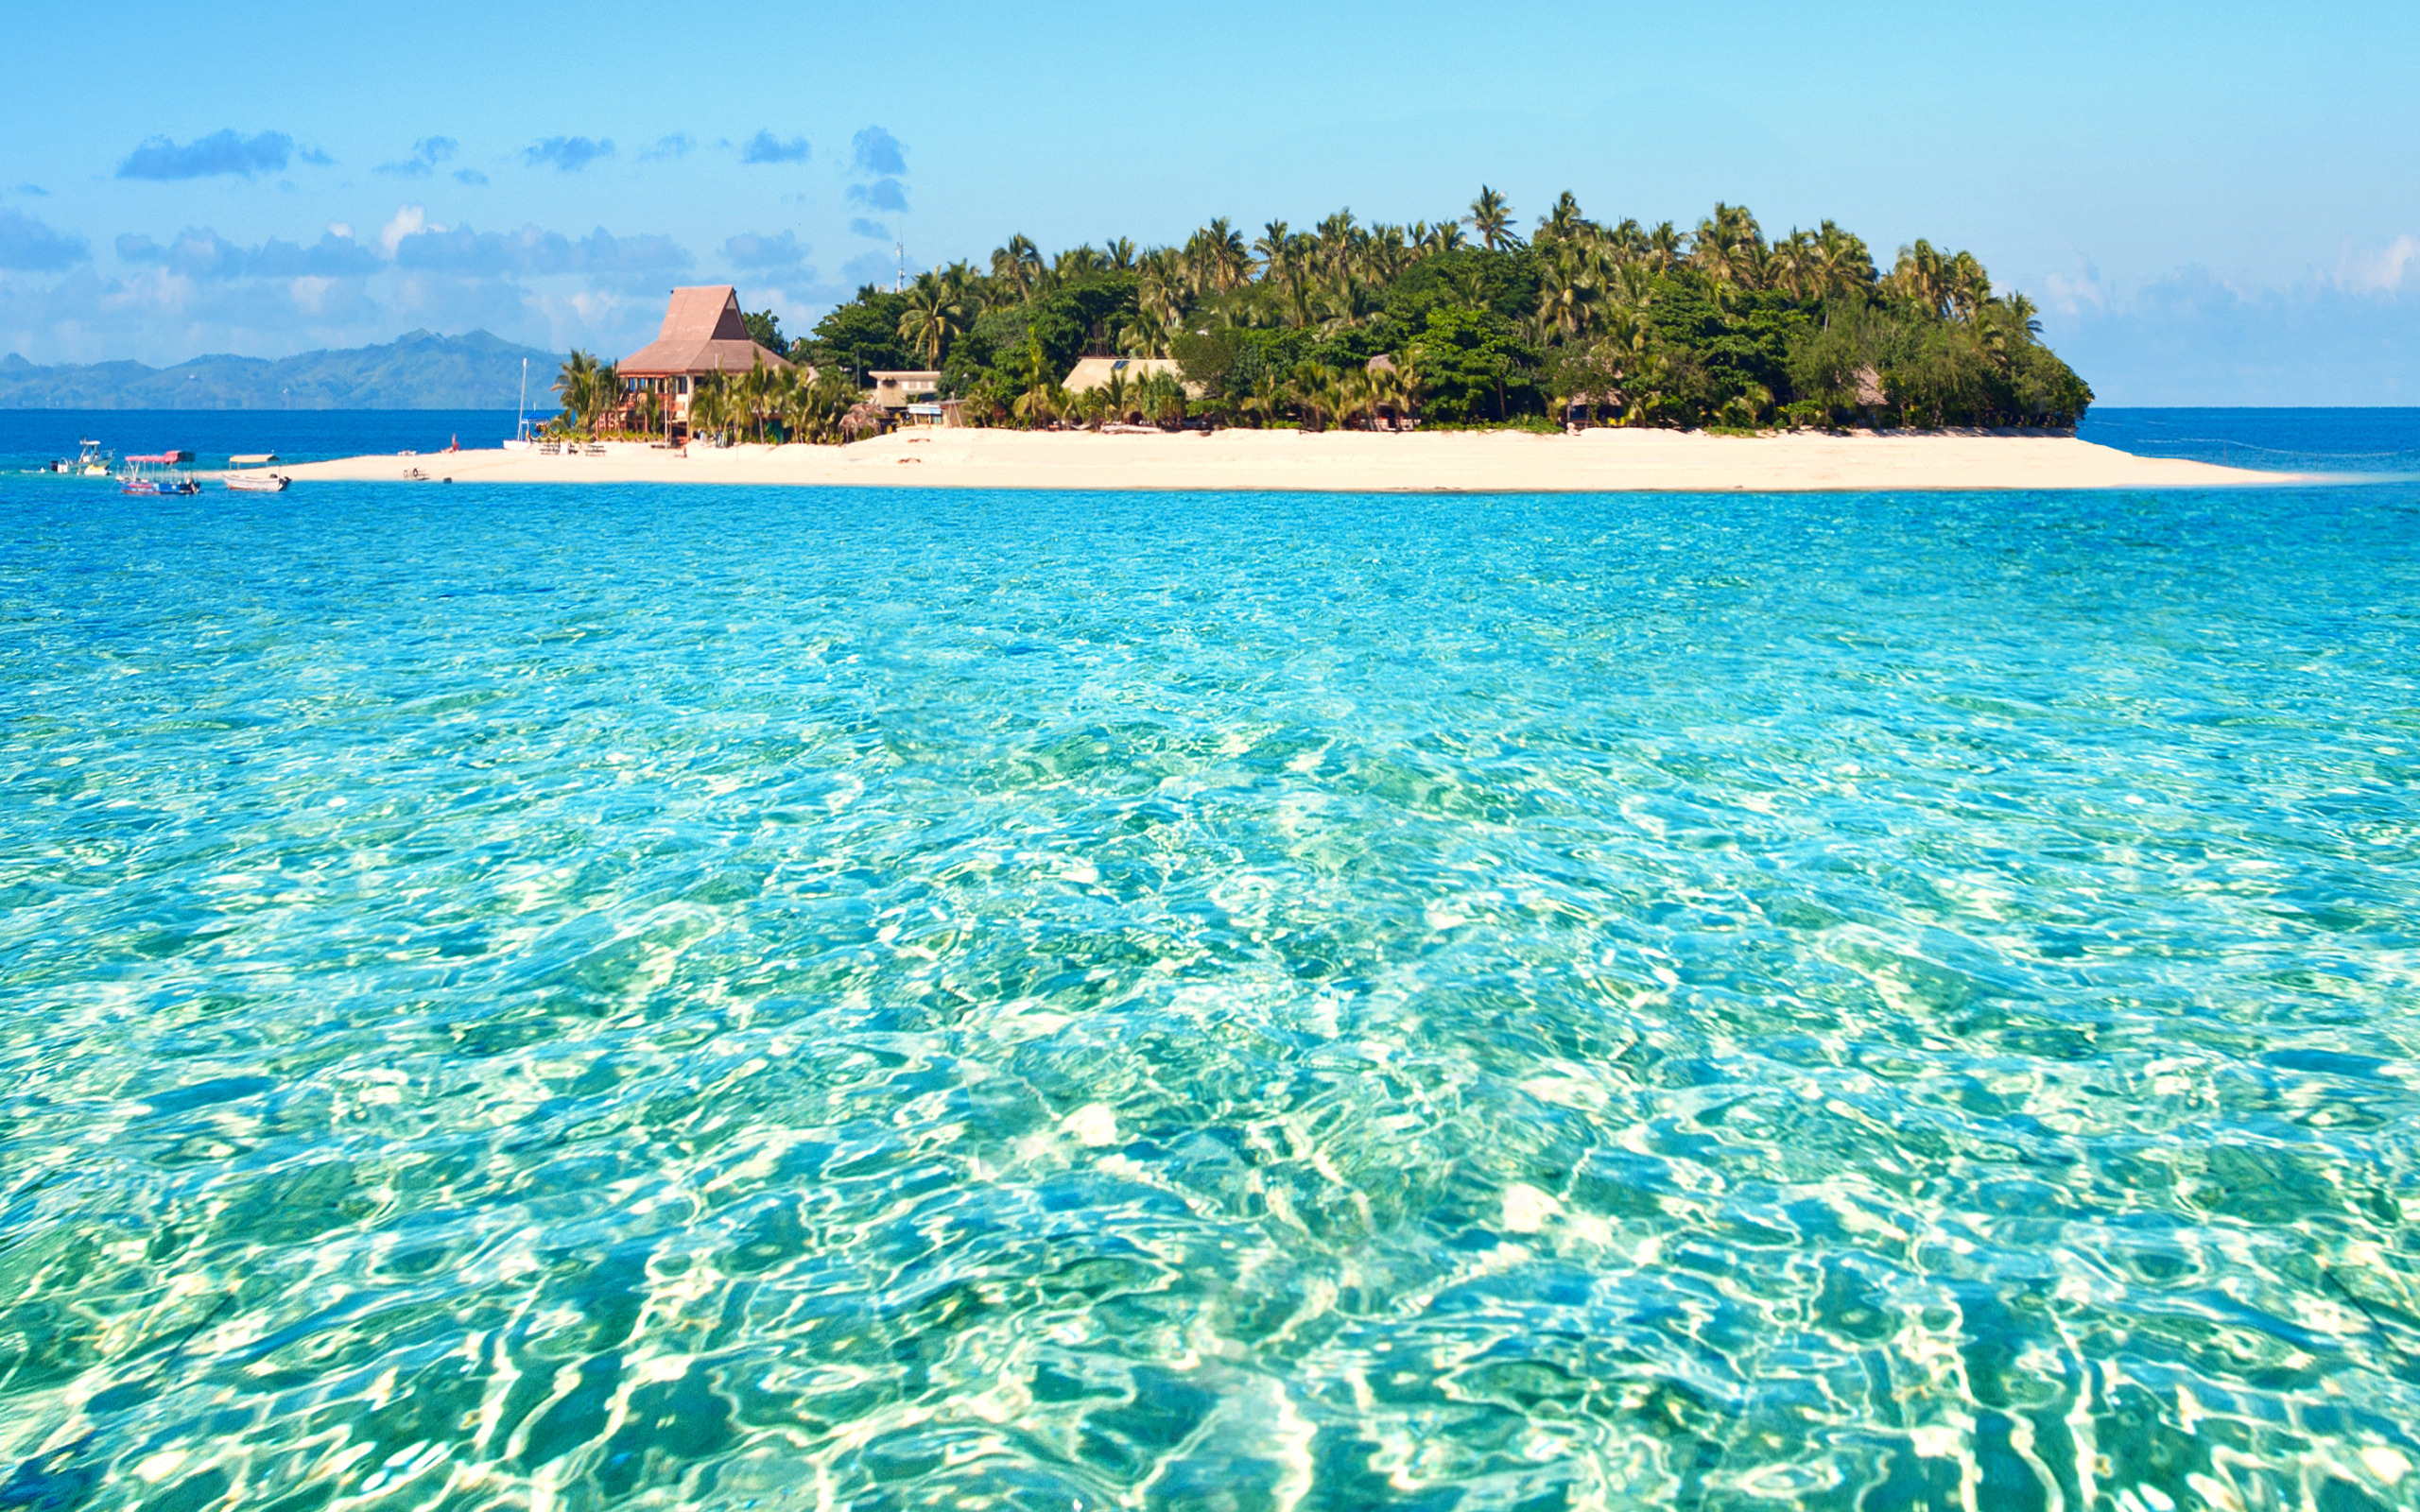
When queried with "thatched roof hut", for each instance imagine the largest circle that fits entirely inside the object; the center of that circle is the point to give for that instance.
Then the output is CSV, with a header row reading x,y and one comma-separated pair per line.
x,y
1093,372
703,332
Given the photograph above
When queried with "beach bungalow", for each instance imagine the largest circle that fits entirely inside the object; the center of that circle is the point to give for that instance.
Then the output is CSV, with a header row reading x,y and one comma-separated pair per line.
x,y
1093,372
894,392
703,334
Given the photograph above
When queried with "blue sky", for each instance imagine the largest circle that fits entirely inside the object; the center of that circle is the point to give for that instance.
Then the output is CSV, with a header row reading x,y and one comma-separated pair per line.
x,y
2213,203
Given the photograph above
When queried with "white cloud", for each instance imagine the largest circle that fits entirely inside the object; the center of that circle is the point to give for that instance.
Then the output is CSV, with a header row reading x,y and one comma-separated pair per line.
x,y
2380,272
2066,295
2194,338
161,300
410,220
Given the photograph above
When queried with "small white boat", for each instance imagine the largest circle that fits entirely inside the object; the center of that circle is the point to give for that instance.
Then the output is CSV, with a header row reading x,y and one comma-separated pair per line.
x,y
259,479
91,462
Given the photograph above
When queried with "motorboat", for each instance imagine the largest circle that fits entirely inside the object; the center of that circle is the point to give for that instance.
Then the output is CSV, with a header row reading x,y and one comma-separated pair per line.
x,y
150,475
255,476
91,462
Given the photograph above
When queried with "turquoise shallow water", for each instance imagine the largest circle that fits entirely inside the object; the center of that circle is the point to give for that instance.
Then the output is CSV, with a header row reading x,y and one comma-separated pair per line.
x,y
753,999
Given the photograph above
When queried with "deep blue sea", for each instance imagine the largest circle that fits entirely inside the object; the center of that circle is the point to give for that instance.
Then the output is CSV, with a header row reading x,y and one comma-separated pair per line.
x,y
783,998
29,437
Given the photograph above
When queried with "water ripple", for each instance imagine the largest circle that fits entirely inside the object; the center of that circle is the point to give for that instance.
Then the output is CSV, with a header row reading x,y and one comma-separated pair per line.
x,y
748,998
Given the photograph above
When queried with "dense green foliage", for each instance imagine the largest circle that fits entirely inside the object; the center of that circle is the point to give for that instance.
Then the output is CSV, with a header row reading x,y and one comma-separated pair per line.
x,y
860,336
765,329
1623,324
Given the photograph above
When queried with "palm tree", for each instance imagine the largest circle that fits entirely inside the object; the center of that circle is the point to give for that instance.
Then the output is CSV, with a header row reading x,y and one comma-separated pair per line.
x,y
813,408
1386,253
1264,398
571,379
1343,297
1916,277
1336,239
1364,390
1217,256
1564,222
1160,397
1038,399
1120,254
1076,262
1844,264
1285,258
1663,247
605,393
589,390
1729,247
710,406
935,316
1443,237
1039,404
1149,334
1970,287
1400,383
1492,218
1320,395
1569,294
1018,264
1272,248
1116,395
755,395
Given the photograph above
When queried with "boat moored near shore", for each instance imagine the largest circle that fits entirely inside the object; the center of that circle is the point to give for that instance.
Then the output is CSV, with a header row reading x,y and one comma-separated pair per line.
x,y
152,475
254,475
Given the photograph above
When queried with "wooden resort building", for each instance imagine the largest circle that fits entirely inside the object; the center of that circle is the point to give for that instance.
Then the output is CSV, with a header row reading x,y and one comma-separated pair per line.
x,y
703,334
894,391
908,396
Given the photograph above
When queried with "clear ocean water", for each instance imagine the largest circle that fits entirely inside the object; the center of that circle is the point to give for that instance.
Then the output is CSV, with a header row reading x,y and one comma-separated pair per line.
x,y
569,999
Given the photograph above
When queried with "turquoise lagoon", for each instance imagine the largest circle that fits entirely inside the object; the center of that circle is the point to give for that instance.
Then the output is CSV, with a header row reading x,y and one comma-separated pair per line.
x,y
610,997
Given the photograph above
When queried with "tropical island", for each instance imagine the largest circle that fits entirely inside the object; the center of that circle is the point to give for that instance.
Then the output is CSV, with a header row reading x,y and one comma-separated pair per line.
x,y
1582,356
1460,322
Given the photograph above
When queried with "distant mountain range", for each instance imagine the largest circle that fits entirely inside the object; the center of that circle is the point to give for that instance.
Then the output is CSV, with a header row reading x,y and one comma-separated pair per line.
x,y
423,371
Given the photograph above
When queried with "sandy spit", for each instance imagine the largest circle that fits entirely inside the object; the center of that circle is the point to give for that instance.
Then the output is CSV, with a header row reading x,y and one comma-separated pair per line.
x,y
1348,461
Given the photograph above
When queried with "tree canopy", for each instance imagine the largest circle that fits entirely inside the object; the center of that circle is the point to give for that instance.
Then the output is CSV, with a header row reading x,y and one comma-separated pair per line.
x,y
1623,323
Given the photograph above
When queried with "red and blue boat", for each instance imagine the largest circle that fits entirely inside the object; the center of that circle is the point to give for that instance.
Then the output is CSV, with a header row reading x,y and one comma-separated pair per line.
x,y
150,474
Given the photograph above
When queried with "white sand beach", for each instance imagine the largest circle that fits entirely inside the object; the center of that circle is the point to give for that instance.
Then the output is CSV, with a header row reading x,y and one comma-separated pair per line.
x,y
1347,461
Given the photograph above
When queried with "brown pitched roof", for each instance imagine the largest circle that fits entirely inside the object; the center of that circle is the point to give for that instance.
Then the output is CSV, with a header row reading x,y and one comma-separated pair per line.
x,y
1093,372
702,332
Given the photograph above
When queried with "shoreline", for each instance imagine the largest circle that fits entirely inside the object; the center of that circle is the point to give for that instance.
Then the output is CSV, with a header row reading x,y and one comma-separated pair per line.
x,y
1594,462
